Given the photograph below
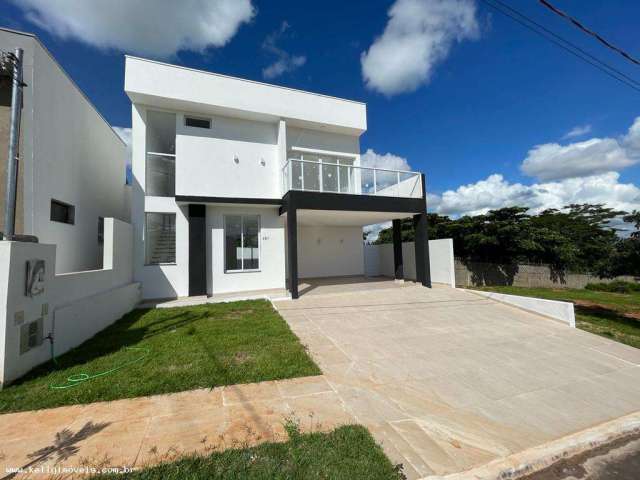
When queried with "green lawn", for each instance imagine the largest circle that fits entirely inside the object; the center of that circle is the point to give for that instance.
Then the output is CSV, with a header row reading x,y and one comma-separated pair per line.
x,y
348,453
613,315
186,348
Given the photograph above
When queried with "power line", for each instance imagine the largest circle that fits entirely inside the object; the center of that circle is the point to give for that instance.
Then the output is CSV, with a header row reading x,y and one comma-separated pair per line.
x,y
588,31
562,43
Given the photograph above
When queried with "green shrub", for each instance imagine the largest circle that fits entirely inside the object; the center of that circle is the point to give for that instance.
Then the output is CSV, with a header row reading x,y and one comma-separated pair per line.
x,y
618,286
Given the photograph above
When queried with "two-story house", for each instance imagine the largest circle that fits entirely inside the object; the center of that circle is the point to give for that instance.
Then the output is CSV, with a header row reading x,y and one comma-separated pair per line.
x,y
240,185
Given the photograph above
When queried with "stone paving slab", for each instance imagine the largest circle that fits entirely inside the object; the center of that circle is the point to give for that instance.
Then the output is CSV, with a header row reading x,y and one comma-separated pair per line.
x,y
449,382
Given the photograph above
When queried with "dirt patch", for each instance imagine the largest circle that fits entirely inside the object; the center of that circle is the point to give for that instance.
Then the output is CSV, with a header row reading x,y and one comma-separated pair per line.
x,y
242,357
590,304
595,308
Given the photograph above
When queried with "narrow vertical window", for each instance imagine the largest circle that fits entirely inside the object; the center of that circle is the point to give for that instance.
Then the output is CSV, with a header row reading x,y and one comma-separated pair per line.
x,y
160,238
160,171
242,243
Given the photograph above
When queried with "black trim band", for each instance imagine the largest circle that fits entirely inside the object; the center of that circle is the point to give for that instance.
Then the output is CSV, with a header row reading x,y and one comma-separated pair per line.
x,y
350,202
252,201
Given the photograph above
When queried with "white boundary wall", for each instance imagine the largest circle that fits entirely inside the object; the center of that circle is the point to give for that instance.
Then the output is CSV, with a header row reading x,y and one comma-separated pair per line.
x,y
73,307
554,309
378,260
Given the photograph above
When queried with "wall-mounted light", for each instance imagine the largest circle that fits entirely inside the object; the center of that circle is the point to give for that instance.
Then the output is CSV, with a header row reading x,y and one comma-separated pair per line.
x,y
236,160
263,162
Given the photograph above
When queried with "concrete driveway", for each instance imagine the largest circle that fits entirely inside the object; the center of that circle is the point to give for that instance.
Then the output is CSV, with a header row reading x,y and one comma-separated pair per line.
x,y
450,382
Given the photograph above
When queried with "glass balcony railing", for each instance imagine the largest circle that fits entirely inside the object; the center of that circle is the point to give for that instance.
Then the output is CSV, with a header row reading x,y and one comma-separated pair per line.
x,y
311,176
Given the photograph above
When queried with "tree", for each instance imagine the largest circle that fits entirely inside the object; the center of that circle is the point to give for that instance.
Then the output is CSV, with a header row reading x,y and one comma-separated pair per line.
x,y
627,256
578,237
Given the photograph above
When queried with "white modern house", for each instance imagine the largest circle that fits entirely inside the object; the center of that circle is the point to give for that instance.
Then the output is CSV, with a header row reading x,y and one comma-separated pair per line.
x,y
72,167
241,186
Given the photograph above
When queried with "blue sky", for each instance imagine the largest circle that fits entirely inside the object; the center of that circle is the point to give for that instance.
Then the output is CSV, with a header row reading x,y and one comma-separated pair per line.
x,y
452,87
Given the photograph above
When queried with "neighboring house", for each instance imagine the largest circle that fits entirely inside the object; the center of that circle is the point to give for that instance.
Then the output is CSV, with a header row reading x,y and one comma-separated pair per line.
x,y
239,185
72,164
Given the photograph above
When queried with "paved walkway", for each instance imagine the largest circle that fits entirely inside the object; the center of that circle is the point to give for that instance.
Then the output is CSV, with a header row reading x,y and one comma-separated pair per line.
x,y
447,381
144,431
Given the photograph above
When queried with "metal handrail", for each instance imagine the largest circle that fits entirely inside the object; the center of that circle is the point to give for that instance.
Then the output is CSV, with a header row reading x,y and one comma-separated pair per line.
x,y
158,154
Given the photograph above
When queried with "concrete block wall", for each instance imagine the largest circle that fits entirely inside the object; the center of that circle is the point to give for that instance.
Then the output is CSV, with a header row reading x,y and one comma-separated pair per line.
x,y
476,274
73,307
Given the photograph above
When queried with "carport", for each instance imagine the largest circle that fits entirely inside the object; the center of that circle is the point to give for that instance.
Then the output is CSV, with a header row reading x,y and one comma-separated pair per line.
x,y
337,217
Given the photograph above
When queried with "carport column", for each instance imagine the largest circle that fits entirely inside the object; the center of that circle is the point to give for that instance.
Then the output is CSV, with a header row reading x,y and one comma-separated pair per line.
x,y
423,270
292,250
397,249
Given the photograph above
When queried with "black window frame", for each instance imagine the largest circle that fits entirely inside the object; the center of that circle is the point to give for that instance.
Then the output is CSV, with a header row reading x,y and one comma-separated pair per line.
x,y
196,119
69,217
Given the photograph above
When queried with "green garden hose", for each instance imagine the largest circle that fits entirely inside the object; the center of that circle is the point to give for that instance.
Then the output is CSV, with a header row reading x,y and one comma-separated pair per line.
x,y
79,378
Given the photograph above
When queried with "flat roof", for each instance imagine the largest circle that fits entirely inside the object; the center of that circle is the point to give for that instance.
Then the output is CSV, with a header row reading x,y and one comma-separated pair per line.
x,y
231,77
173,87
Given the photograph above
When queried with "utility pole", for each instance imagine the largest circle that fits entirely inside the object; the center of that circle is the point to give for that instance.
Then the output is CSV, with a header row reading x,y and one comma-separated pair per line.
x,y
13,62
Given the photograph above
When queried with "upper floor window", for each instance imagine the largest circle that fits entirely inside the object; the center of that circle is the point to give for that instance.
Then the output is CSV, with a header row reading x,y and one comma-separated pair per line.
x,y
160,169
197,122
62,212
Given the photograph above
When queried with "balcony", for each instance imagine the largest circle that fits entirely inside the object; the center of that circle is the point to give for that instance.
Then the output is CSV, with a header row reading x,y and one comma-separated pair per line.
x,y
344,177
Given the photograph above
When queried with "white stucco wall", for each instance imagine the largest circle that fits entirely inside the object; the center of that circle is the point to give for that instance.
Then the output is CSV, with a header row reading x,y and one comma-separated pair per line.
x,y
442,262
71,154
330,251
379,261
152,82
74,306
554,309
205,163
271,245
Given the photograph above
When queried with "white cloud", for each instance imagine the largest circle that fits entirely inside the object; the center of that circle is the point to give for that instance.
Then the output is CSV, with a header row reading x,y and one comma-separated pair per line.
x,y
578,131
496,192
373,231
552,161
418,35
285,62
388,160
150,27
631,140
